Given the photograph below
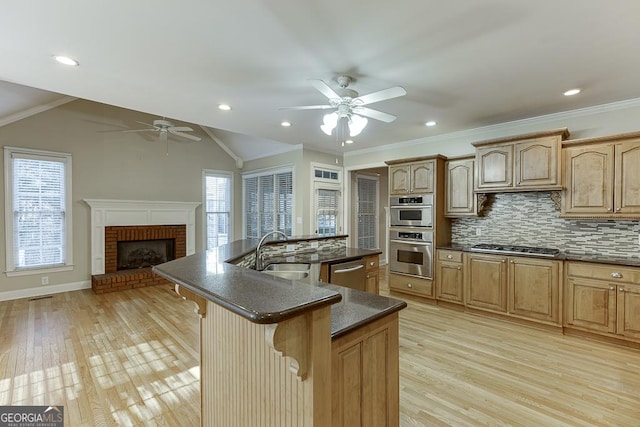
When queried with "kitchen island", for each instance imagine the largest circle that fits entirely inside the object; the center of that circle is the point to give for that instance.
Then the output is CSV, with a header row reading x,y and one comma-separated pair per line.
x,y
283,352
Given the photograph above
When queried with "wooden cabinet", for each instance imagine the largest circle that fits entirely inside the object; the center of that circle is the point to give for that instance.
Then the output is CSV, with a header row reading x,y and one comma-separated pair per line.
x,y
460,198
415,177
534,289
411,285
604,299
372,279
365,372
529,162
523,287
602,180
449,276
486,282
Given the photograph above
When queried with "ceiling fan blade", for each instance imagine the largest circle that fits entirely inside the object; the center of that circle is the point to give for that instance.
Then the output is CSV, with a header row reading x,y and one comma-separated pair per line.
x,y
180,129
324,89
146,124
381,95
140,130
307,107
374,114
186,135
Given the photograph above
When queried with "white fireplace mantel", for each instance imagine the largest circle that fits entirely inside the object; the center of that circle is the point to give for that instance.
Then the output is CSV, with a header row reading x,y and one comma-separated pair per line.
x,y
105,213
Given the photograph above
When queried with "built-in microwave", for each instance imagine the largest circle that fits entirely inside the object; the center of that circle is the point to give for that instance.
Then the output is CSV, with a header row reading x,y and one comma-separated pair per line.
x,y
411,211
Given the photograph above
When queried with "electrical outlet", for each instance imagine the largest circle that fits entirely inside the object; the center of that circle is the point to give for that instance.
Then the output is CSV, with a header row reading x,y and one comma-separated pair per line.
x,y
315,244
44,280
478,231
290,248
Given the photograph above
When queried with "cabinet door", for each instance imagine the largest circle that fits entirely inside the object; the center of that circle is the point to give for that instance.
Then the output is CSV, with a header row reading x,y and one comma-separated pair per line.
x,y
627,178
591,305
460,198
534,289
495,167
537,163
372,282
629,311
376,389
486,282
589,180
422,177
399,179
449,282
347,369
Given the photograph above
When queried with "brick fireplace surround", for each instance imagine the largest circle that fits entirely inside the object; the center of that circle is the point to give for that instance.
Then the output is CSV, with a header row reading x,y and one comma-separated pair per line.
x,y
114,280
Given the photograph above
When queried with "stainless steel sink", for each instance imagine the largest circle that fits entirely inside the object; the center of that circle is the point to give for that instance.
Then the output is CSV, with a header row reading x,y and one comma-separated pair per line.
x,y
288,266
291,271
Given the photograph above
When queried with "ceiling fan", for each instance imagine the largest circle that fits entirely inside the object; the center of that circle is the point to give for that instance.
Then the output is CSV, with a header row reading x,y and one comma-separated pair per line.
x,y
164,128
350,106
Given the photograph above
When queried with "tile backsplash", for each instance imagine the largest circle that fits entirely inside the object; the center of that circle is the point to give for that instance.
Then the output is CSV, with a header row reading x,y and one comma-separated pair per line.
x,y
531,219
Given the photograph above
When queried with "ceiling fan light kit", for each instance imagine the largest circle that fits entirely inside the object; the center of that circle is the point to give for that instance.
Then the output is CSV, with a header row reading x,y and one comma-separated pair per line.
x,y
350,108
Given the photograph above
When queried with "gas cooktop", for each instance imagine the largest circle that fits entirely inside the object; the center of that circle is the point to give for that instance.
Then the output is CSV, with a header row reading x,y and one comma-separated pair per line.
x,y
515,250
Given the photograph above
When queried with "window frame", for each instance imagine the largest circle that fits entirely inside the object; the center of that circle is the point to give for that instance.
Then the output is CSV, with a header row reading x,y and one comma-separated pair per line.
x,y
10,267
216,173
318,183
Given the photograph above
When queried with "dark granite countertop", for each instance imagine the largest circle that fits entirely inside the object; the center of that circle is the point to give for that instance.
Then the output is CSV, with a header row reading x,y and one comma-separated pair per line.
x,y
262,298
631,261
330,256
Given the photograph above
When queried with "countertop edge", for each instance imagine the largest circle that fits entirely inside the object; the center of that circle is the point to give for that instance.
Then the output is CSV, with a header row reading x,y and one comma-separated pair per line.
x,y
253,316
383,313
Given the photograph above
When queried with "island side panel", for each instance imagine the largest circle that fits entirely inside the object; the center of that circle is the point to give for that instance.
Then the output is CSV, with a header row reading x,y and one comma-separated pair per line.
x,y
244,381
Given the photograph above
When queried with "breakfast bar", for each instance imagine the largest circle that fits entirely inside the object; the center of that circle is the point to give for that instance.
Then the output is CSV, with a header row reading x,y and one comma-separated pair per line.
x,y
275,351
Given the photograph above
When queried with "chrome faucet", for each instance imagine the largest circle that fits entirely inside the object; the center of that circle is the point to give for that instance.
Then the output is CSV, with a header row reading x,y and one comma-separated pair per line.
x,y
258,265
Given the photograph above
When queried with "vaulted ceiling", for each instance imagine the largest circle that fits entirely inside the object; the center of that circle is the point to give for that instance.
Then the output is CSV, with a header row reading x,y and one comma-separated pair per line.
x,y
464,63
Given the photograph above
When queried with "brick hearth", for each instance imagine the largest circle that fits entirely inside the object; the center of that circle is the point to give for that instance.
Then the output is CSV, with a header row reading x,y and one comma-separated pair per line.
x,y
114,280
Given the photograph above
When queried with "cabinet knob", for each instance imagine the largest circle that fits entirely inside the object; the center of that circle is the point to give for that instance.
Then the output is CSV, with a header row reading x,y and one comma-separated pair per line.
x,y
617,209
503,261
511,261
409,285
372,263
616,275
609,210
612,288
459,268
449,256
620,289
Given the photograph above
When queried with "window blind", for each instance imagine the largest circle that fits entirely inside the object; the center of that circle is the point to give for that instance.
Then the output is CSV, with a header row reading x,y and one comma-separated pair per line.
x,y
367,212
268,203
327,211
39,211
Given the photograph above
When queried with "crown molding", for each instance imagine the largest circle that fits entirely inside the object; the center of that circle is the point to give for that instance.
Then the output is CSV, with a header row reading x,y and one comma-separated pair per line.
x,y
34,110
484,132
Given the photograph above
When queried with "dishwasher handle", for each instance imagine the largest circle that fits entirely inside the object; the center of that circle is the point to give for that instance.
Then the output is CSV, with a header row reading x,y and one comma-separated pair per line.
x,y
346,270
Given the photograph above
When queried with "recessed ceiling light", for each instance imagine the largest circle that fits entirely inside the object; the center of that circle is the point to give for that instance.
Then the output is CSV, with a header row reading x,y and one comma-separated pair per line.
x,y
66,60
430,123
285,124
349,141
572,92
224,107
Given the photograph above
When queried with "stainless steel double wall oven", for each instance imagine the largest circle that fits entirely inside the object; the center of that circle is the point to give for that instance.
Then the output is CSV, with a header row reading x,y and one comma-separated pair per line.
x,y
411,235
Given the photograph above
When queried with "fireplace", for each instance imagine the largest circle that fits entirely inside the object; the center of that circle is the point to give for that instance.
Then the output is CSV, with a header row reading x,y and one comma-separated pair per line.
x,y
131,251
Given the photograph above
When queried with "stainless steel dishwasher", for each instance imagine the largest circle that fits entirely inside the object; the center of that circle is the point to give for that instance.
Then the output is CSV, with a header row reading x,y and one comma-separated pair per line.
x,y
348,274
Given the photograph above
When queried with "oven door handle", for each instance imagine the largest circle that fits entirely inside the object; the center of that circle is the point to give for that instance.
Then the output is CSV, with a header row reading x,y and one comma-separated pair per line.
x,y
405,242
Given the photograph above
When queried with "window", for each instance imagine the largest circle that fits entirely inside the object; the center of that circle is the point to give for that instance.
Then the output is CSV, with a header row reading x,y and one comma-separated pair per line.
x,y
217,208
37,211
268,202
327,211
326,190
367,212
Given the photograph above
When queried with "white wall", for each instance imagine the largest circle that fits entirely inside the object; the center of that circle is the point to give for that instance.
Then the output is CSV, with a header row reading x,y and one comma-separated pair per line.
x,y
109,164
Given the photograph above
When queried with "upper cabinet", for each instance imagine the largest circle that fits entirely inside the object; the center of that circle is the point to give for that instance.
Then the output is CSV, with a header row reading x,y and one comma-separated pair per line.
x,y
602,178
415,177
459,184
529,162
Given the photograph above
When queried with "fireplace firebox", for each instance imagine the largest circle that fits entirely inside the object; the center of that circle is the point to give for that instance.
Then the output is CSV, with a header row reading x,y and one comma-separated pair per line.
x,y
134,254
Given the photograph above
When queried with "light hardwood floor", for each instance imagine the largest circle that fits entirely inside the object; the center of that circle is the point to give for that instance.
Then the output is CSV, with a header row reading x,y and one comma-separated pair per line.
x,y
131,358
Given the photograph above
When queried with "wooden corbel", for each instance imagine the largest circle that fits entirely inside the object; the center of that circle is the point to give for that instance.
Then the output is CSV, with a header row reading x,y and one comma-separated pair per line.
x,y
290,338
200,302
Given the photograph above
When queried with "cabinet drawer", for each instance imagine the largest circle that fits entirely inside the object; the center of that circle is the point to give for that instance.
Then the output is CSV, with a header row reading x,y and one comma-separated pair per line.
x,y
610,273
371,262
451,256
410,284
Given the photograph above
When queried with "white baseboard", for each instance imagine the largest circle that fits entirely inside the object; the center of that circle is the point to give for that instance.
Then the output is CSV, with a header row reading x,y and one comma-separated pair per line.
x,y
44,290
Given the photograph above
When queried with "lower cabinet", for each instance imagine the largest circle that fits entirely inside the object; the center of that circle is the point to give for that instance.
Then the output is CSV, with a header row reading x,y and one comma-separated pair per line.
x,y
365,376
372,276
528,288
449,276
604,299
